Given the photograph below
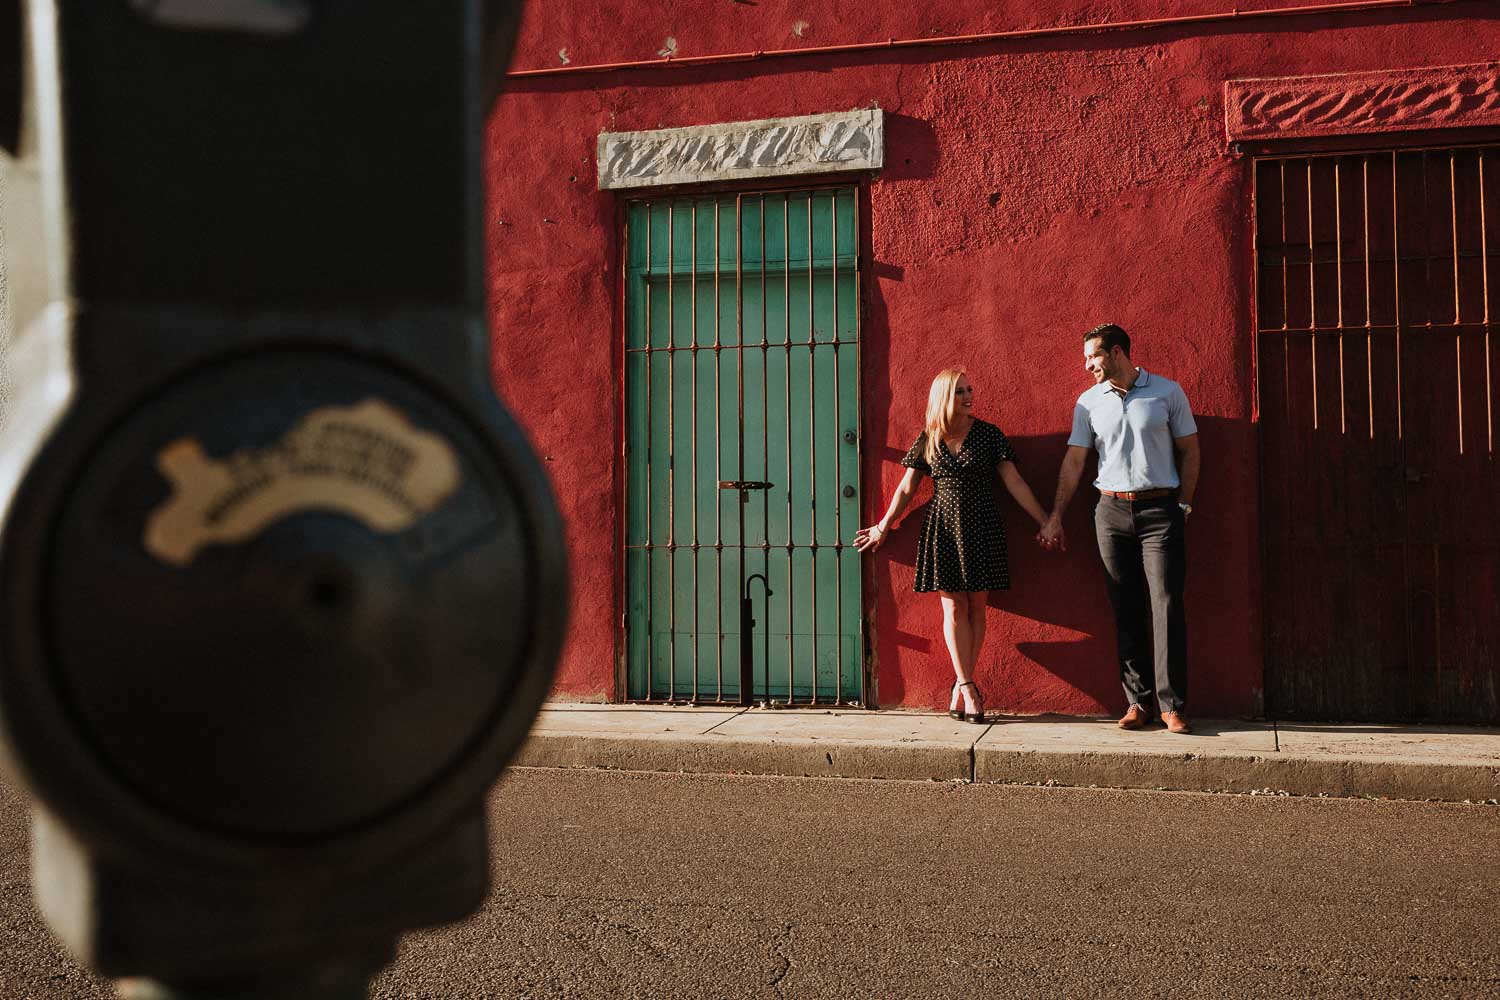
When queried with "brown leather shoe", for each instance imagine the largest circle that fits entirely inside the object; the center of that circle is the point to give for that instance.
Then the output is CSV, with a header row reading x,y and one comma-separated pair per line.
x,y
1134,718
1176,722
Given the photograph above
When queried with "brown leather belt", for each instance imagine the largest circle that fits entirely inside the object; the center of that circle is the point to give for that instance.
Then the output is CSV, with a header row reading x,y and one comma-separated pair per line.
x,y
1141,494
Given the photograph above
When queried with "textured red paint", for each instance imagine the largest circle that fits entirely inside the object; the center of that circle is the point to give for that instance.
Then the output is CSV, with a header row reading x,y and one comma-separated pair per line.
x,y
1032,189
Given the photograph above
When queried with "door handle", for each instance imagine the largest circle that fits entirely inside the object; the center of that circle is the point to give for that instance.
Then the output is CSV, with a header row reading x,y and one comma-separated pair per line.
x,y
744,486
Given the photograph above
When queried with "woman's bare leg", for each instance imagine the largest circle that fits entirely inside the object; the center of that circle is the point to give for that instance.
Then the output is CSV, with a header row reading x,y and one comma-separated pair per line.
x,y
979,603
958,634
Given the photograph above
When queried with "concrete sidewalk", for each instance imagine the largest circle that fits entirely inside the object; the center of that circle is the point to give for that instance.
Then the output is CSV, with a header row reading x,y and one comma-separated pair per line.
x,y
1398,762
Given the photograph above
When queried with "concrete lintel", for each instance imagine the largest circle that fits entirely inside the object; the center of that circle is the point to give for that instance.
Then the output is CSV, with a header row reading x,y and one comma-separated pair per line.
x,y
772,147
1361,103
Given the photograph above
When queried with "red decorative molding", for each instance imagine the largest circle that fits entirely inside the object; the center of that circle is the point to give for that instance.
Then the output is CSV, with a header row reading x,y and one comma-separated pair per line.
x,y
1401,100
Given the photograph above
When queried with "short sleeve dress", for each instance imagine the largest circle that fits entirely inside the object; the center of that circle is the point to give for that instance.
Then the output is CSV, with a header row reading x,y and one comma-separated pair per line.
x,y
962,545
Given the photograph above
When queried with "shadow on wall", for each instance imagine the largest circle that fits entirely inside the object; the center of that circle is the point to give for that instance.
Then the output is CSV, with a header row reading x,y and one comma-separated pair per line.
x,y
1054,643
916,149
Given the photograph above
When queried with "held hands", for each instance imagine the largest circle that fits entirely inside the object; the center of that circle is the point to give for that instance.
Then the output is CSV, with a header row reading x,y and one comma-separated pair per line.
x,y
1051,537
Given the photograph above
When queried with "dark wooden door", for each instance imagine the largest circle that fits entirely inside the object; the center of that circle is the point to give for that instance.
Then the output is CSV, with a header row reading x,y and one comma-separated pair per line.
x,y
1378,370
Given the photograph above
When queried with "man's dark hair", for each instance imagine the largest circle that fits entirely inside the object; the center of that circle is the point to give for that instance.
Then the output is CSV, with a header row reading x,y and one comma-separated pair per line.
x,y
1109,336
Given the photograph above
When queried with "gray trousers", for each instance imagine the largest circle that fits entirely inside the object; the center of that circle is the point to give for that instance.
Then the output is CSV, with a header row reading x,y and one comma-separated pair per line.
x,y
1144,548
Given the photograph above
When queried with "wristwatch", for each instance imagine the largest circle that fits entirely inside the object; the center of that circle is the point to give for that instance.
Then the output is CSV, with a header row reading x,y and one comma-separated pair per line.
x,y
1187,508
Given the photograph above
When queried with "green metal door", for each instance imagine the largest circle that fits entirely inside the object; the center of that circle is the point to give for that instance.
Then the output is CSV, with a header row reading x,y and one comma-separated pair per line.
x,y
742,448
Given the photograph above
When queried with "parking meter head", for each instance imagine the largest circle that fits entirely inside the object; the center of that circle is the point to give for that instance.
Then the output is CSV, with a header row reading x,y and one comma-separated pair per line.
x,y
282,583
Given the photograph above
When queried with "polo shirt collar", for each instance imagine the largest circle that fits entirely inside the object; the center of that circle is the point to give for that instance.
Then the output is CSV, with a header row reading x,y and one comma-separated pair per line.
x,y
1142,379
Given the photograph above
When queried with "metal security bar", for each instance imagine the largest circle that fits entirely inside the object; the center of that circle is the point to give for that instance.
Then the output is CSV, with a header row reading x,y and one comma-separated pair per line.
x,y
1376,369
744,307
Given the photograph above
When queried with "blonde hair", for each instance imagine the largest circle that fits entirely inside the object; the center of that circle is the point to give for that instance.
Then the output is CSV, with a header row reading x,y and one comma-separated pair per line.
x,y
940,409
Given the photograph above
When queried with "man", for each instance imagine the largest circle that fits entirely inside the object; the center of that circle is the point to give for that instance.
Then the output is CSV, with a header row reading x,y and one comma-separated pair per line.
x,y
1143,429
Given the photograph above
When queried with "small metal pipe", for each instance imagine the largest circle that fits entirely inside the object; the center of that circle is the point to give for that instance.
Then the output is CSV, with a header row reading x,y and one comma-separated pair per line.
x,y
1286,350
859,411
671,450
1312,291
786,302
1453,209
622,416
1338,245
1426,298
650,552
1286,317
1369,316
747,651
747,641
765,441
1484,270
812,441
693,435
718,465
1255,291
1406,579
1324,333
1458,346
1396,292
672,62
838,468
739,339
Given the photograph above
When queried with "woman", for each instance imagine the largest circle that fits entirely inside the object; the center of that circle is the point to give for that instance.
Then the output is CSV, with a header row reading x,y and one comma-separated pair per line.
x,y
961,551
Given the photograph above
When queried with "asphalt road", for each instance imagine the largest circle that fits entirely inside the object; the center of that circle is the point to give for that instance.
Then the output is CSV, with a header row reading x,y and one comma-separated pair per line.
x,y
609,884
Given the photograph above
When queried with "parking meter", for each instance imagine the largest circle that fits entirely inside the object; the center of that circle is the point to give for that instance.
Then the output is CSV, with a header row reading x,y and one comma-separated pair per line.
x,y
281,584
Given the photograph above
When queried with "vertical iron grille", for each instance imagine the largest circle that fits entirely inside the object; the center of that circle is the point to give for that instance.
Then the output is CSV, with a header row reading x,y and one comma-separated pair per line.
x,y
1376,276
742,448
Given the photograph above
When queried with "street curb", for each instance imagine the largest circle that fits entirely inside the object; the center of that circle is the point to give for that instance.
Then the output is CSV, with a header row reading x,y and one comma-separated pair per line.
x,y
724,755
1291,774
1225,771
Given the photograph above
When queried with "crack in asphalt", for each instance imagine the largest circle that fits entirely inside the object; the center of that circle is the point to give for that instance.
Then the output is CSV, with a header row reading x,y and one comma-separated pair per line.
x,y
638,936
780,947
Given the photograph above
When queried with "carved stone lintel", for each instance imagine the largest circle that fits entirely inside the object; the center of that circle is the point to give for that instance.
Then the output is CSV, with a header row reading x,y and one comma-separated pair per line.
x,y
1359,103
810,144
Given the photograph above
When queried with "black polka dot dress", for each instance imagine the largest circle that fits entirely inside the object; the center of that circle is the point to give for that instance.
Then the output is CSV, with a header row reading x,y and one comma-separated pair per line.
x,y
962,546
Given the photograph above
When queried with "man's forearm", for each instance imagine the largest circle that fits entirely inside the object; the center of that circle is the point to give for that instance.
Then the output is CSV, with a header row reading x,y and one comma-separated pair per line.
x,y
1068,477
1065,490
1188,474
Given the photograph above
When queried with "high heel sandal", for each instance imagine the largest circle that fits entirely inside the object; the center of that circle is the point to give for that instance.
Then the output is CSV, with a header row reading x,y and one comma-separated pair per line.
x,y
954,713
975,717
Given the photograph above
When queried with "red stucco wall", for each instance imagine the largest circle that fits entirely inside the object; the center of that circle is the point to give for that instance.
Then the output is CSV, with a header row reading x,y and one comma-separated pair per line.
x,y
1033,188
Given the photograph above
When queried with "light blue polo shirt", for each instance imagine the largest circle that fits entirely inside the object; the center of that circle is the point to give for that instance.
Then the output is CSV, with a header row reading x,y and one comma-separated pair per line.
x,y
1133,432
